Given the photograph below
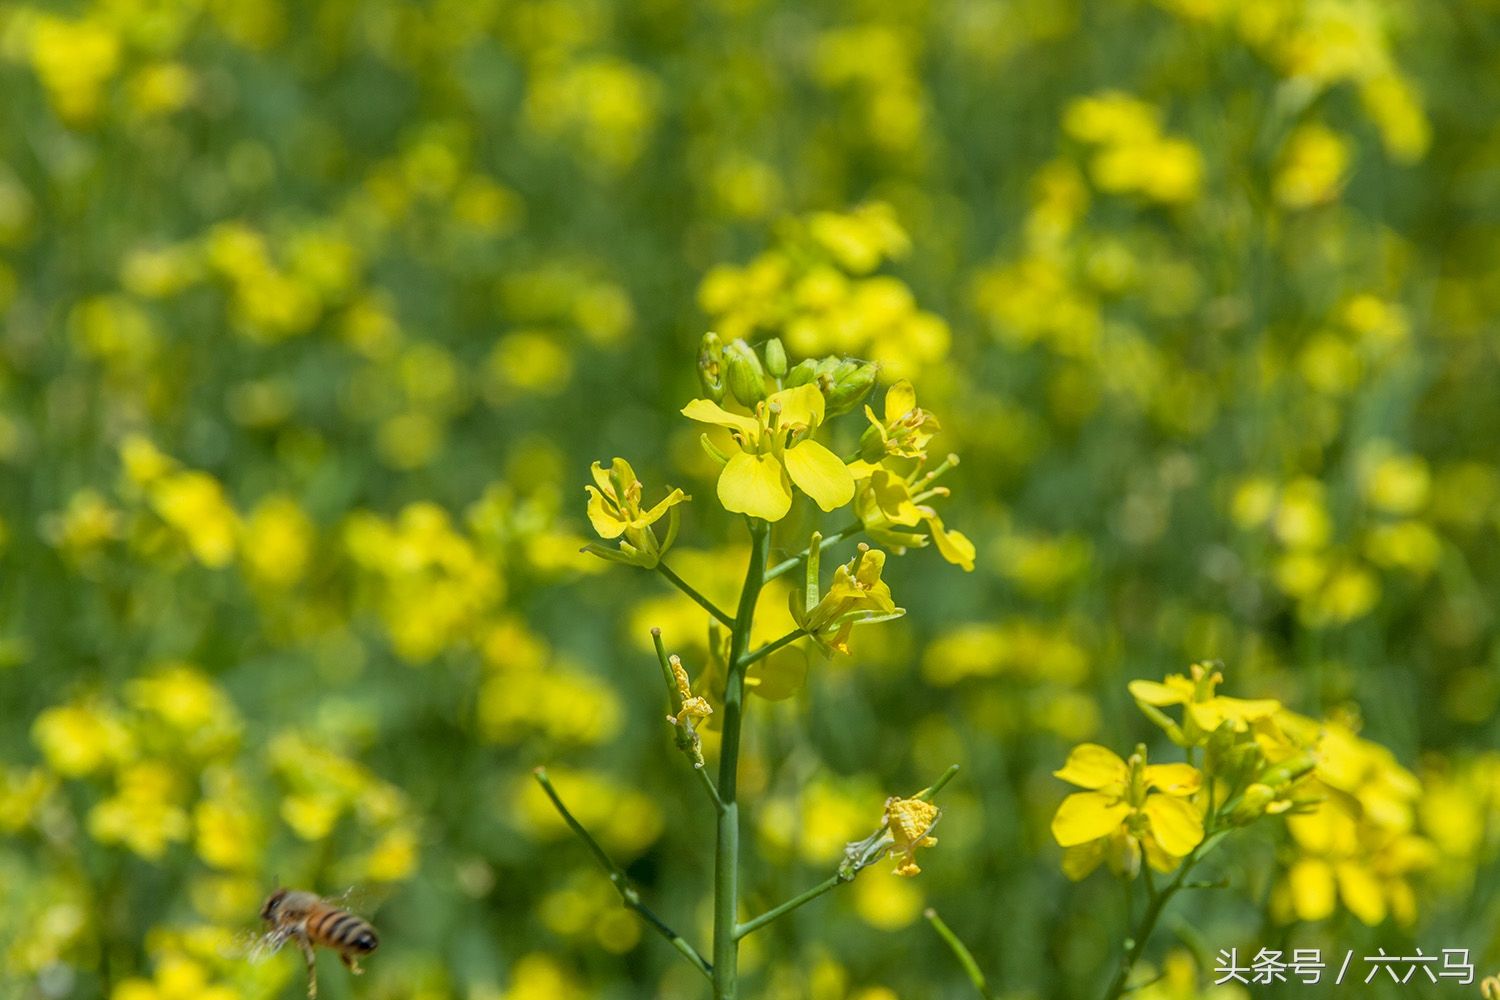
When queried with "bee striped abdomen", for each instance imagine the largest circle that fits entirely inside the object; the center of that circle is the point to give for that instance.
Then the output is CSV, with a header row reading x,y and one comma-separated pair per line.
x,y
343,932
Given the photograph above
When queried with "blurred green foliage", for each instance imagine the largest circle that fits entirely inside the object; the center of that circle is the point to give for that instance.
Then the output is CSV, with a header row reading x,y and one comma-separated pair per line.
x,y
313,316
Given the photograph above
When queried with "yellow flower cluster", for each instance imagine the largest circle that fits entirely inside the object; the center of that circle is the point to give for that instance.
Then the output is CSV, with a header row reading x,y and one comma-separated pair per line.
x,y
431,585
324,786
1131,154
816,291
1359,846
175,722
1336,580
1351,811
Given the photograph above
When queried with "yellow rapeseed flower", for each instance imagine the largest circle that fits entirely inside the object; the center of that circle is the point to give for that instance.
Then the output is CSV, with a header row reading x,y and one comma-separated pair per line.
x,y
615,512
777,451
1128,808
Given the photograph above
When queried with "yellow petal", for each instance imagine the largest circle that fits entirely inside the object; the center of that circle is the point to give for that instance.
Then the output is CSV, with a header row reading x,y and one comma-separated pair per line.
x,y
1085,816
1081,859
673,499
801,405
1312,888
1156,694
600,516
778,676
1176,823
894,499
600,476
706,411
1174,779
953,545
755,485
819,473
1092,766
900,399
1361,892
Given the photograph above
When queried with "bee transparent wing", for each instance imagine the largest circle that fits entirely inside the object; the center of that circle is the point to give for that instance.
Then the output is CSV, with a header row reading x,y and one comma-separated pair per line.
x,y
267,944
360,900
252,946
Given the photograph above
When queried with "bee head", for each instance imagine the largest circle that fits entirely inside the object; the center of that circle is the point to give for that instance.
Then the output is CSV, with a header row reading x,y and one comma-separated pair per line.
x,y
272,904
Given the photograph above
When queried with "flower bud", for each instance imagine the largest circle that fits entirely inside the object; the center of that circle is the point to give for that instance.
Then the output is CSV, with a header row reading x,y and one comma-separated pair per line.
x,y
1289,770
848,385
1252,805
775,358
808,369
746,378
711,366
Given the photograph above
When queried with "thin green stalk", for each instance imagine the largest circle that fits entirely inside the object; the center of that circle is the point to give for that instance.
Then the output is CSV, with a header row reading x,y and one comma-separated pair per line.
x,y
776,912
727,847
629,895
960,952
1155,903
787,565
772,647
691,591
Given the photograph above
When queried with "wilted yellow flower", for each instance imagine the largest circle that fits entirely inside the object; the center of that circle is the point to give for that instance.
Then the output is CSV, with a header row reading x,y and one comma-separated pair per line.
x,y
1128,809
911,822
694,707
777,451
615,512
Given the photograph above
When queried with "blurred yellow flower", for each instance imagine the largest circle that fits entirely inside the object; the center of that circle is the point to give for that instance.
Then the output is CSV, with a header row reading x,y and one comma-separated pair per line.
x,y
145,813
81,739
1150,804
1313,167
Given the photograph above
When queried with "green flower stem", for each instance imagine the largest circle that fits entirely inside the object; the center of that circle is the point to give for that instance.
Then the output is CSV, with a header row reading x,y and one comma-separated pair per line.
x,y
772,647
629,895
687,740
727,848
960,952
776,912
688,589
786,566
927,794
1156,901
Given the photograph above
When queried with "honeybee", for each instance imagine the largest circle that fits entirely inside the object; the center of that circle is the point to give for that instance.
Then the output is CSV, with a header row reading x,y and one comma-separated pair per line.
x,y
311,921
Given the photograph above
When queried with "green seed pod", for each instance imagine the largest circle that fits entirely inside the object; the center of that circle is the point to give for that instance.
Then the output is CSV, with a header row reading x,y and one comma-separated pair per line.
x,y
848,385
711,366
743,373
775,358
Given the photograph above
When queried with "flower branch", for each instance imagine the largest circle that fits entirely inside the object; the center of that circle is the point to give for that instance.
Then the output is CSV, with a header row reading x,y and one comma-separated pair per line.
x,y
629,895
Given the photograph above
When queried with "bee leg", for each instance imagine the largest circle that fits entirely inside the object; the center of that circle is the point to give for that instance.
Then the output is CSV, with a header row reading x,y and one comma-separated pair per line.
x,y
352,962
312,968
